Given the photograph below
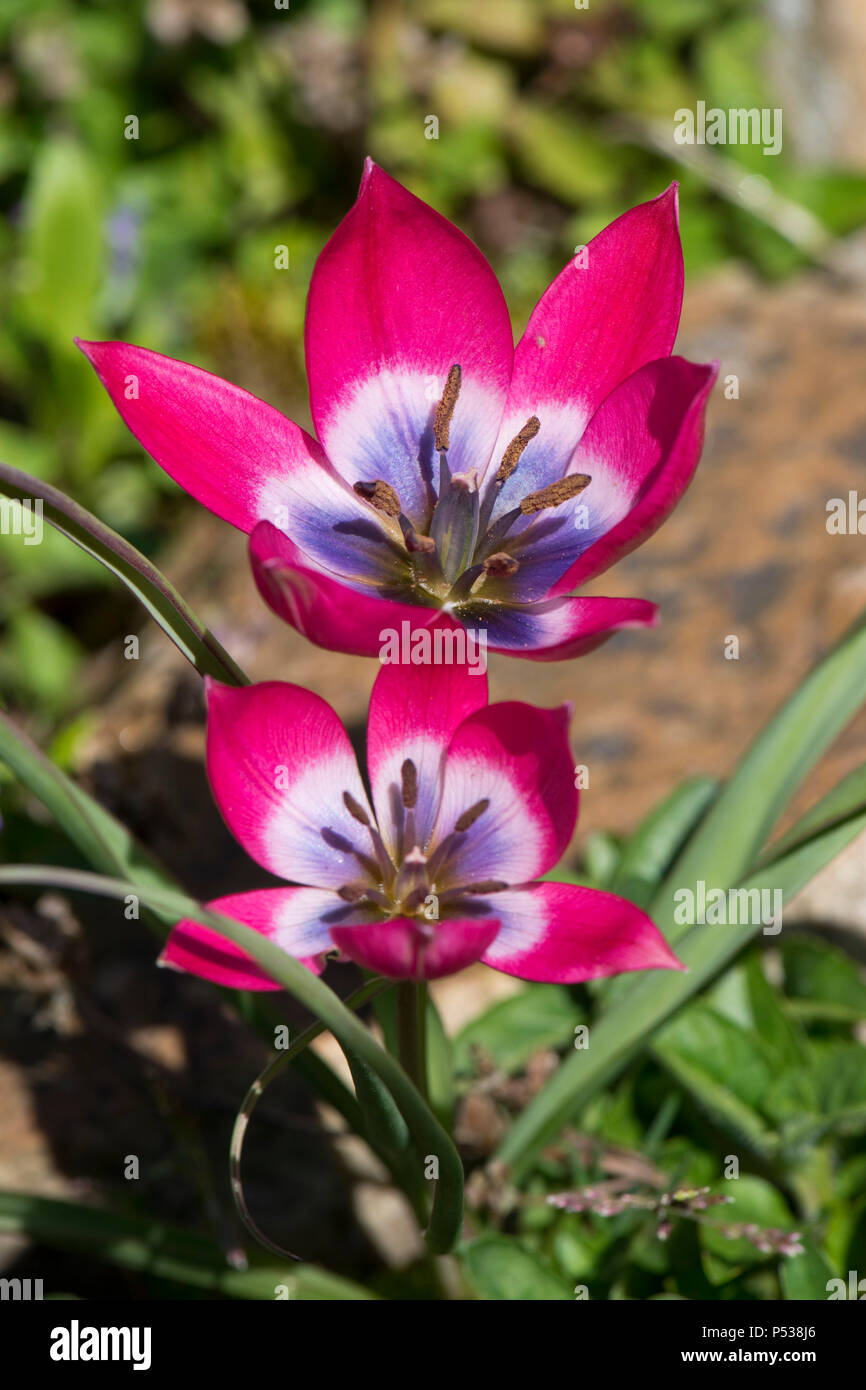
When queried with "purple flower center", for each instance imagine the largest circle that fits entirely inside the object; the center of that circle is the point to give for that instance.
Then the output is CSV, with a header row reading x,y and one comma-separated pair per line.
x,y
464,546
414,881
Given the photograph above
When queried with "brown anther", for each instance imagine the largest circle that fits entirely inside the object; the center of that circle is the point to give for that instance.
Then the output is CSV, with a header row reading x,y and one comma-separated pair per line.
x,y
511,457
470,817
555,494
445,409
380,495
500,565
354,809
416,544
409,781
350,893
490,885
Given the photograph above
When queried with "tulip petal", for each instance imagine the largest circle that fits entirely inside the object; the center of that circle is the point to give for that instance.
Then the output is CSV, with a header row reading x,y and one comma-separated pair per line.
x,y
279,763
398,296
558,628
408,949
564,934
517,759
414,713
231,451
596,324
641,449
295,919
330,612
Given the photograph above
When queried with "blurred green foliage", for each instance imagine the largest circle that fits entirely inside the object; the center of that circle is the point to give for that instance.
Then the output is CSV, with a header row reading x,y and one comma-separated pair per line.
x,y
153,154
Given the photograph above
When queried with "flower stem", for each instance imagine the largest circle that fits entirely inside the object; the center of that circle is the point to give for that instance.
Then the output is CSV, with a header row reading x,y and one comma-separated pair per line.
x,y
412,1031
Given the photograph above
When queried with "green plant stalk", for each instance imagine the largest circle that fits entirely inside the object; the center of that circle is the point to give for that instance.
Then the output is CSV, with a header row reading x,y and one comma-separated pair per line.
x,y
412,1032
429,1136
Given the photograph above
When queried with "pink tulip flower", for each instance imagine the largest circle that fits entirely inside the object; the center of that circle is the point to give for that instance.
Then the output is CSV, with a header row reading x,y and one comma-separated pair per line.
x,y
470,804
452,472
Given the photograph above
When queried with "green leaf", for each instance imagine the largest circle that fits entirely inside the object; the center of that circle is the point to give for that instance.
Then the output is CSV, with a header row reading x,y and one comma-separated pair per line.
x,y
63,242
724,1070
142,578
648,854
755,1201
356,1041
821,973
806,1276
162,1251
499,1269
510,1031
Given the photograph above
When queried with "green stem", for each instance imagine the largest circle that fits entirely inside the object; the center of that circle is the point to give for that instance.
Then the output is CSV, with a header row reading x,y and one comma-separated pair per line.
x,y
412,1032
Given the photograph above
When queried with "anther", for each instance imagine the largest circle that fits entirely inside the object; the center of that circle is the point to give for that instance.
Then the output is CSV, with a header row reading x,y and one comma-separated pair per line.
x,y
490,885
409,781
501,565
380,495
445,409
511,457
354,809
555,494
470,817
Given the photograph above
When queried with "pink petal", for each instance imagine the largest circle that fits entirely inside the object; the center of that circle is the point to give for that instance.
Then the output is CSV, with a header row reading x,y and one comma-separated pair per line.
x,y
290,917
330,613
592,328
641,449
398,296
565,934
557,629
279,762
516,758
407,949
414,711
236,455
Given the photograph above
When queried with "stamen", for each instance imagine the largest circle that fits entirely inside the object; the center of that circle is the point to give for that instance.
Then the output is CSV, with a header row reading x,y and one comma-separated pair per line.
x,y
470,817
555,493
350,893
409,780
445,409
354,809
416,544
380,495
490,885
501,565
511,457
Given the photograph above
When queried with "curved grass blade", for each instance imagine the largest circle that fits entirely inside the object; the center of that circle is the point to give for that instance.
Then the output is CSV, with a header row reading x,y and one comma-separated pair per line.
x,y
429,1136
140,576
